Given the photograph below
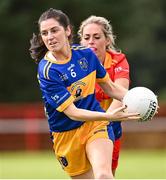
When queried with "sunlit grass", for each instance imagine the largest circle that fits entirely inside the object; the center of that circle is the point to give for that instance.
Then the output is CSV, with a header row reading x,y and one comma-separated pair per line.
x,y
134,164
141,164
30,165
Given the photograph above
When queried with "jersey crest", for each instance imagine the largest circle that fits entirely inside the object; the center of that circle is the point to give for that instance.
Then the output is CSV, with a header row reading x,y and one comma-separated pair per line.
x,y
83,64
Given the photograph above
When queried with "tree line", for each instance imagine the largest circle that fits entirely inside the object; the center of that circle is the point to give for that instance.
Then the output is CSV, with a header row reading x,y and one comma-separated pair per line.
x,y
139,26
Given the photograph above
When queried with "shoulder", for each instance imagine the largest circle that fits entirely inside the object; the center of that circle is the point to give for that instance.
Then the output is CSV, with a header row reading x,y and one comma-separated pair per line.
x,y
43,64
81,49
78,47
117,56
85,53
46,70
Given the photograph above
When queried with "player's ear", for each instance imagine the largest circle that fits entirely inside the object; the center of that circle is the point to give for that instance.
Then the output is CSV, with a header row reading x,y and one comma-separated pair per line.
x,y
108,42
68,31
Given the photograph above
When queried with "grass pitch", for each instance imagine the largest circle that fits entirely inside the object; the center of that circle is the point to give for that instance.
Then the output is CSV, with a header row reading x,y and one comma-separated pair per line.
x,y
133,164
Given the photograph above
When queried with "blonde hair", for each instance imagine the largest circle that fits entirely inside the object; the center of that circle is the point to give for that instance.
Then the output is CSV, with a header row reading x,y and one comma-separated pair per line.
x,y
106,28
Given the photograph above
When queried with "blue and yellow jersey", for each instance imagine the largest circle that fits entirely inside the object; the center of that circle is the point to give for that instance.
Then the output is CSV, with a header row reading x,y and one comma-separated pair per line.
x,y
70,81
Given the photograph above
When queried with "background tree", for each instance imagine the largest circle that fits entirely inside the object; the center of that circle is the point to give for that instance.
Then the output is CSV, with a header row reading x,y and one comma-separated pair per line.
x,y
140,28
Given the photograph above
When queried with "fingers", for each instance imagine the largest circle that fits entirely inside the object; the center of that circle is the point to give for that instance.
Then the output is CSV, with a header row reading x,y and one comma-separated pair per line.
x,y
125,113
132,114
131,118
121,114
120,109
157,110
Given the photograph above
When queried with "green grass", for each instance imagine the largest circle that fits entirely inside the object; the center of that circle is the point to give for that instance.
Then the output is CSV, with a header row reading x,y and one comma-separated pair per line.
x,y
142,164
30,165
134,164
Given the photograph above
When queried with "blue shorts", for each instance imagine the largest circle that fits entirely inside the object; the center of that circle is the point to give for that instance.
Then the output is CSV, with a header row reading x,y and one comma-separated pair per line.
x,y
117,129
110,132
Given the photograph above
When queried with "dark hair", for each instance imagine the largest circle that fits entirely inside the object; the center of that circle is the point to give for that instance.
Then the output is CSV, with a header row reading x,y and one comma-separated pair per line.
x,y
37,46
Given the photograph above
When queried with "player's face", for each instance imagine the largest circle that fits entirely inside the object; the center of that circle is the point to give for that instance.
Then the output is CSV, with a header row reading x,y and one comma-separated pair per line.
x,y
54,36
94,38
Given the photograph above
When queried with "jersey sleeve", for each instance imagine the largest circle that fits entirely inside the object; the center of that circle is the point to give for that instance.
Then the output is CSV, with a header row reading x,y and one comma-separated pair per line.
x,y
121,70
54,91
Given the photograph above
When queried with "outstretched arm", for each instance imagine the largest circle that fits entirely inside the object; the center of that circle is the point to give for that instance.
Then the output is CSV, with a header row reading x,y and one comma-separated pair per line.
x,y
115,103
86,115
113,90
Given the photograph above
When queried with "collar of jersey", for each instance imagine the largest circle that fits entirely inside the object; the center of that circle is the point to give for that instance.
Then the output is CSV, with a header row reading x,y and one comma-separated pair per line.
x,y
107,61
49,57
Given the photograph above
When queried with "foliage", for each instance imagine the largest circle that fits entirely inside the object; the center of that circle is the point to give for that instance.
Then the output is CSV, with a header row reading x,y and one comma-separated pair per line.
x,y
139,27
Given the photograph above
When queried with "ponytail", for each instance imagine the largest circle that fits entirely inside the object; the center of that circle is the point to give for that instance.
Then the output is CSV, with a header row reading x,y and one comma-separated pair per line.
x,y
37,48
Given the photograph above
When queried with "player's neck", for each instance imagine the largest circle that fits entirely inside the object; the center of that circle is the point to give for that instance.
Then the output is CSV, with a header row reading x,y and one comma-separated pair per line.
x,y
102,58
63,54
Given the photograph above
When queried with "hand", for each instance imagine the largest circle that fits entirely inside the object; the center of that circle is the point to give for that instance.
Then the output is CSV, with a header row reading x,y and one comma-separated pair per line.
x,y
121,114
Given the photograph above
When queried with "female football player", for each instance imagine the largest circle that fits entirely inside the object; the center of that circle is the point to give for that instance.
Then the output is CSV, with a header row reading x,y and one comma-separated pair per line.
x,y
67,78
96,33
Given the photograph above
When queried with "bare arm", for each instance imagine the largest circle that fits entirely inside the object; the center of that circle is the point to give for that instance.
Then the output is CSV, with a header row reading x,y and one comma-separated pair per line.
x,y
78,114
84,115
114,90
115,103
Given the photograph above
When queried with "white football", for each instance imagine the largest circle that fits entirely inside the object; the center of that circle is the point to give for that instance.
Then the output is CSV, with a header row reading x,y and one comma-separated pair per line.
x,y
143,101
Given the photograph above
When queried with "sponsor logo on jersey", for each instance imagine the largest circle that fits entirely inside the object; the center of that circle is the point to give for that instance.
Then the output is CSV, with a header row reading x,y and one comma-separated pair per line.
x,y
119,69
77,89
63,77
57,99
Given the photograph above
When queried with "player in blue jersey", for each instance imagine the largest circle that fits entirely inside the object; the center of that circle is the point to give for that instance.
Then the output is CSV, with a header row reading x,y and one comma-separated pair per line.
x,y
67,77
